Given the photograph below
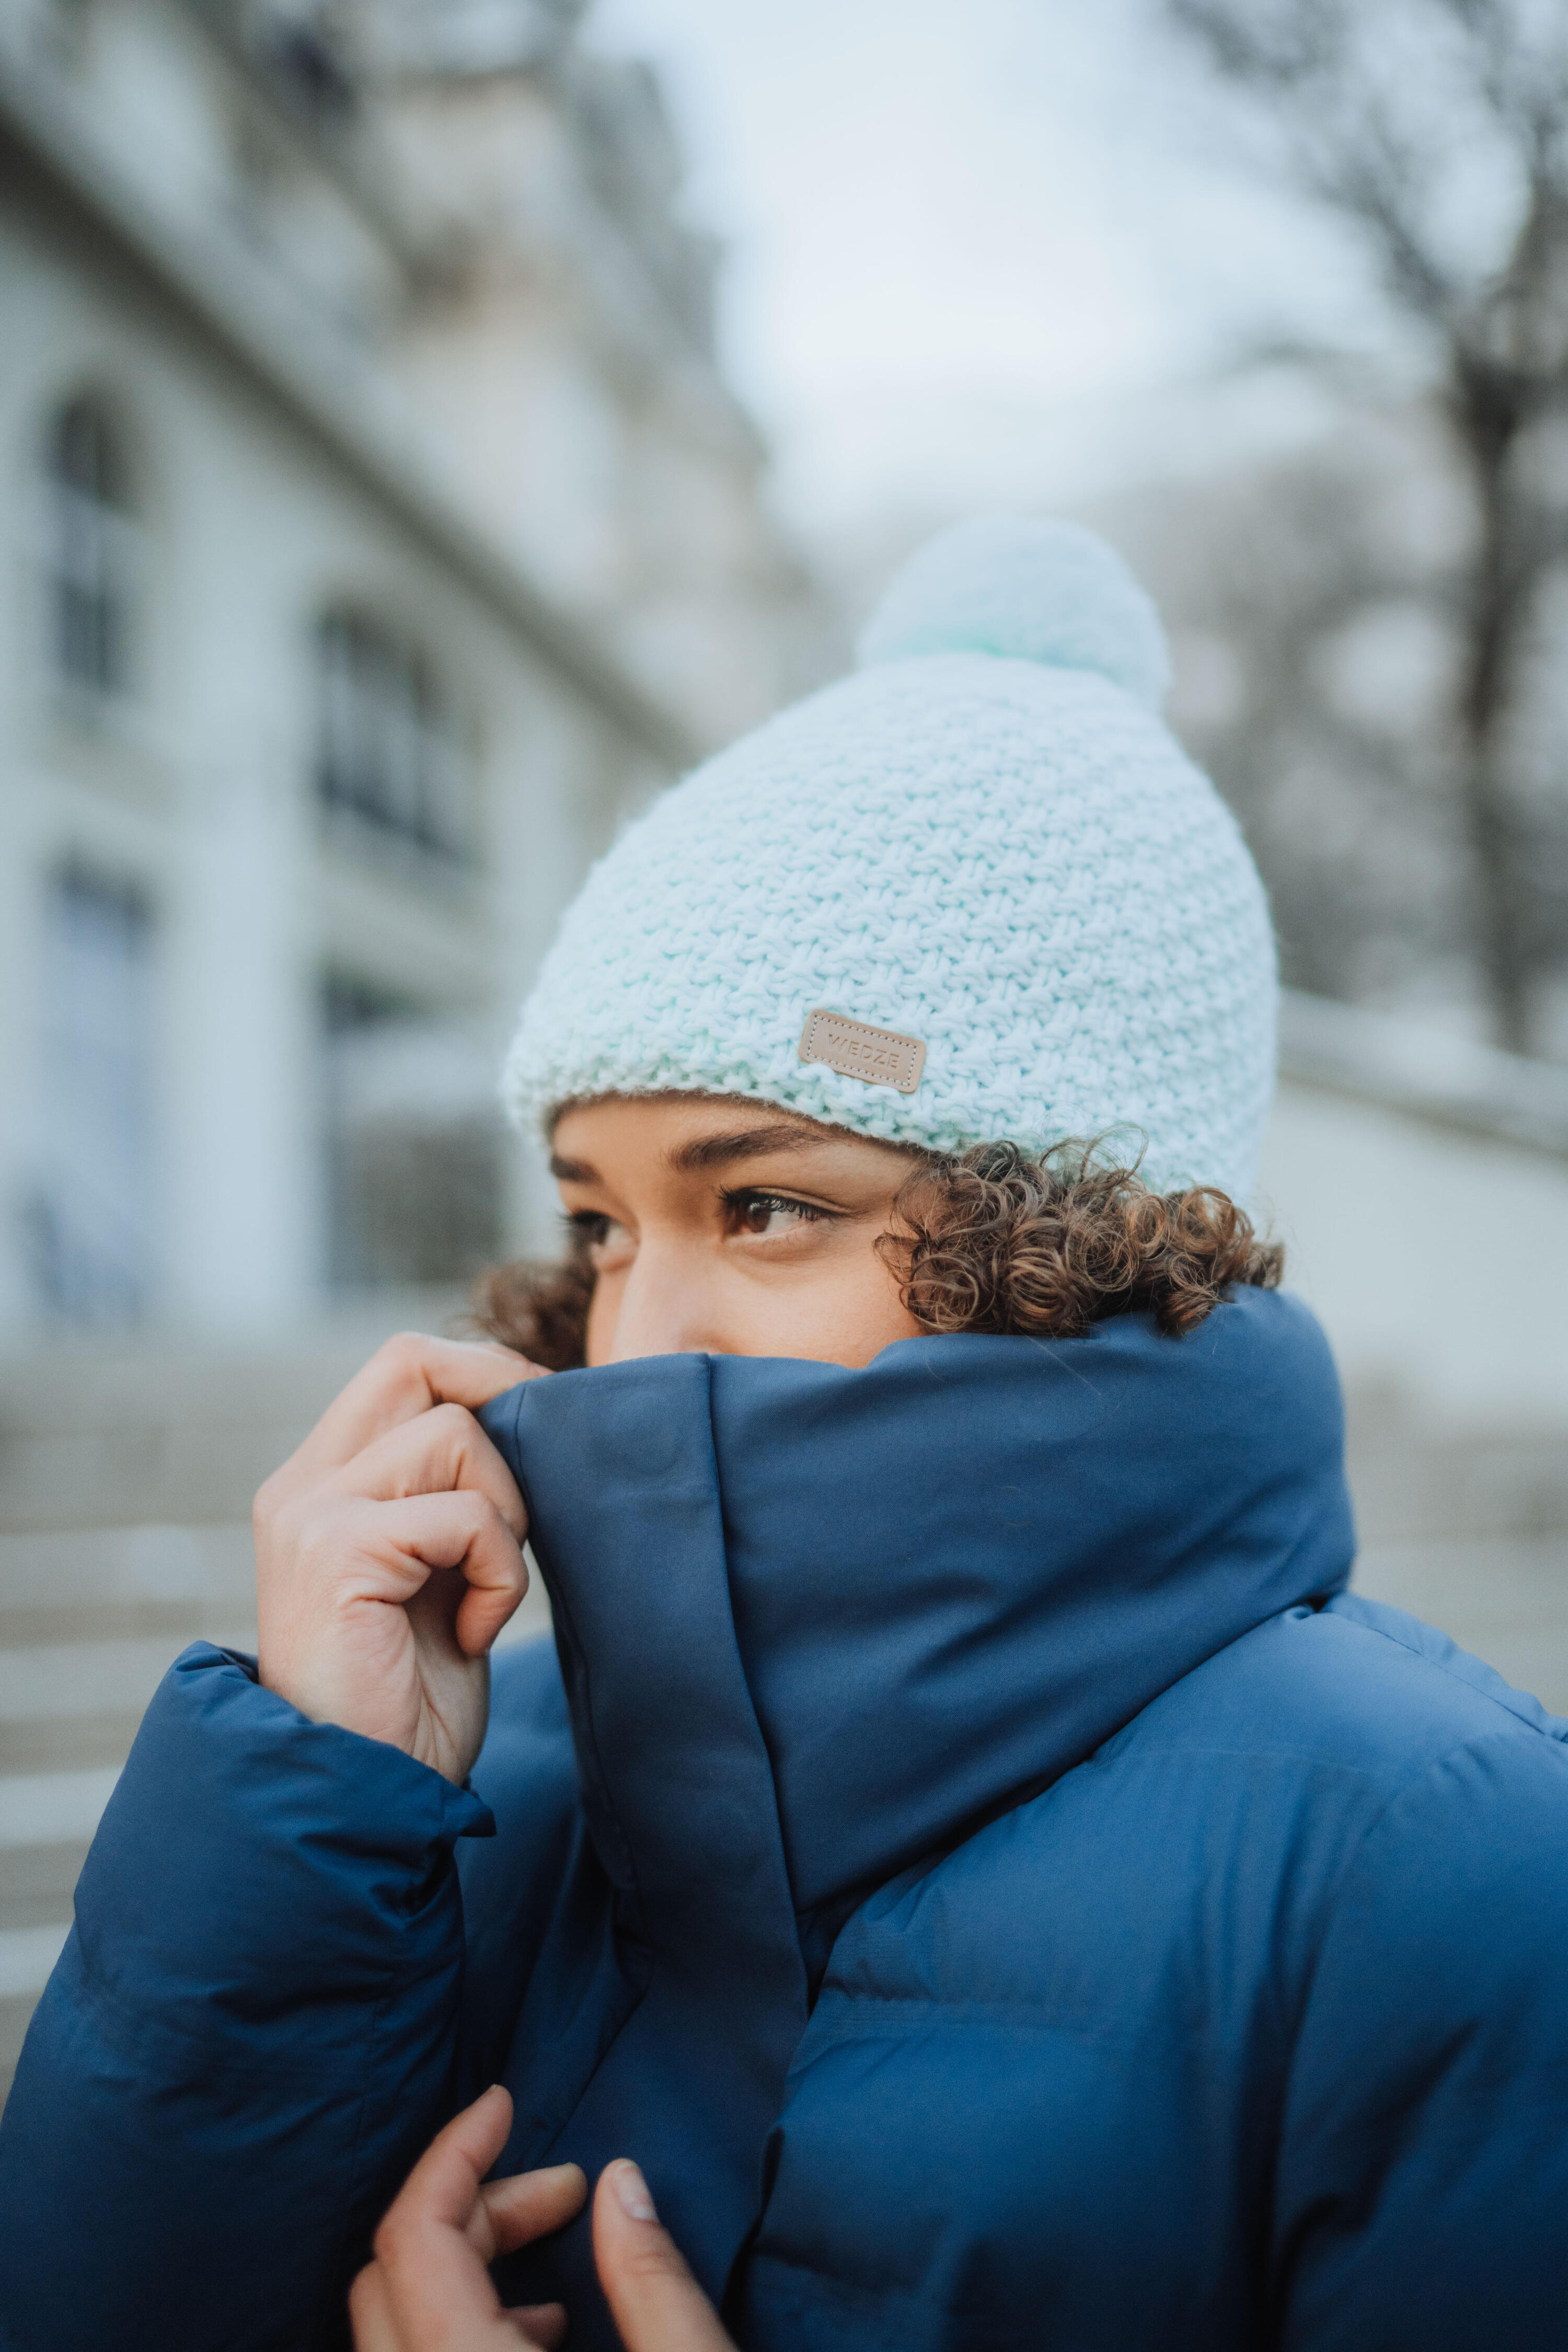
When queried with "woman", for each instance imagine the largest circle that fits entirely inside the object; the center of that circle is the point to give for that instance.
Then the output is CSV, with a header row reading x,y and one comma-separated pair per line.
x,y
965,1846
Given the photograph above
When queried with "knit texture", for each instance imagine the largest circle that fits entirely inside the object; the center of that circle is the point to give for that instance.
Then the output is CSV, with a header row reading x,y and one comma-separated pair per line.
x,y
987,839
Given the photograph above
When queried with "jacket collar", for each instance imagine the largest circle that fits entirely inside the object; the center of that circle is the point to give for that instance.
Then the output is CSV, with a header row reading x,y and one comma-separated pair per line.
x,y
817,1624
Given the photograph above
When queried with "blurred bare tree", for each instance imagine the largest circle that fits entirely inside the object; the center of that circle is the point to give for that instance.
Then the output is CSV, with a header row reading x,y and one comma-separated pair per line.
x,y
1438,130
1309,603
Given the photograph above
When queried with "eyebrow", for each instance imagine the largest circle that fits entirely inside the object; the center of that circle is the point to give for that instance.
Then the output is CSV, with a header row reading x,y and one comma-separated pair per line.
x,y
706,1151
746,1143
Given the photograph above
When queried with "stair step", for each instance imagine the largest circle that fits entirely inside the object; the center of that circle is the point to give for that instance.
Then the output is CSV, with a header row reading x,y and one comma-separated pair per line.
x,y
69,1743
119,1583
91,1437
26,1956
89,1622
46,1808
14,2016
51,1682
38,1881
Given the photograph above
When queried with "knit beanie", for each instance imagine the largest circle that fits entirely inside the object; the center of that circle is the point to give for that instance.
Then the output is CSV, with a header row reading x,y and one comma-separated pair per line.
x,y
976,891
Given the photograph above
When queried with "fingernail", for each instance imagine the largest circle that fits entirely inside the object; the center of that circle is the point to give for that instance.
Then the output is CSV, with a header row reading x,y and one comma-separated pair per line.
x,y
632,2190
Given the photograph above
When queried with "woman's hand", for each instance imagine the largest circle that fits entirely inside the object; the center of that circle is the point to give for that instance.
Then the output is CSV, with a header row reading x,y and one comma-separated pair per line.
x,y
389,1553
428,2289
655,2303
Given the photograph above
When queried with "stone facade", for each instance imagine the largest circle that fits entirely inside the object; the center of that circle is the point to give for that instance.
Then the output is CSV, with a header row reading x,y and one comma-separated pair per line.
x,y
379,531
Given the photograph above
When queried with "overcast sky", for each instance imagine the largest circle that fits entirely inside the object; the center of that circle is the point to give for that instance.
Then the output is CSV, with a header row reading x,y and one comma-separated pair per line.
x,y
979,251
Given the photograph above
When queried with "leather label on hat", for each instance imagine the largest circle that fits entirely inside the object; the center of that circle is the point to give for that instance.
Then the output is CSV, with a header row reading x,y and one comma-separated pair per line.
x,y
881,1056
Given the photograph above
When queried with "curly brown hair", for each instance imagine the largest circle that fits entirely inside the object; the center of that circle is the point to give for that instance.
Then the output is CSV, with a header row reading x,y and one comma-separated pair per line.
x,y
997,1239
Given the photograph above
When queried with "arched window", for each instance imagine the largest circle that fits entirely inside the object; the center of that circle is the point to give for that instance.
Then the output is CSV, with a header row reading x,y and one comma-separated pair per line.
x,y
387,754
90,549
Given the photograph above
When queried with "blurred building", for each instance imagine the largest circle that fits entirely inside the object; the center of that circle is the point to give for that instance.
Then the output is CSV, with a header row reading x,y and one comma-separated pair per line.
x,y
380,531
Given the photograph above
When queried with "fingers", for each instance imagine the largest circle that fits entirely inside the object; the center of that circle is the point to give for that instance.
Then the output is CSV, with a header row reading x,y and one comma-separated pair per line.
x,y
403,1378
434,2286
497,1580
444,1449
432,1492
656,2304
404,1540
442,1455
530,2204
370,2312
428,2289
539,2326
443,2186
544,2324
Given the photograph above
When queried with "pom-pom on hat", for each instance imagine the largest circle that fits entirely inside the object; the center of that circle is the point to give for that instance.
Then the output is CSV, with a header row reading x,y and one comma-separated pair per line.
x,y
1042,592
974,892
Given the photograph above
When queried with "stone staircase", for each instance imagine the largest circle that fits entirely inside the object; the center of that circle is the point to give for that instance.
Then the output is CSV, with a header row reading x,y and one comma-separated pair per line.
x,y
125,1487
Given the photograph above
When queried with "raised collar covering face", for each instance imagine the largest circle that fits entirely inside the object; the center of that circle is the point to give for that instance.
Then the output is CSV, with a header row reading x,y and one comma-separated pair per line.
x,y
817,1625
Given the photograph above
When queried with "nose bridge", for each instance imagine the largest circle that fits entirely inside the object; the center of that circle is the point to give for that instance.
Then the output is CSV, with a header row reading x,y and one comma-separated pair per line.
x,y
670,1305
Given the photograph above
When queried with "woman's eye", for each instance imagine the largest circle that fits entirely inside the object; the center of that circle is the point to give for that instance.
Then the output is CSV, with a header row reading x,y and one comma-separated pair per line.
x,y
770,1212
607,1242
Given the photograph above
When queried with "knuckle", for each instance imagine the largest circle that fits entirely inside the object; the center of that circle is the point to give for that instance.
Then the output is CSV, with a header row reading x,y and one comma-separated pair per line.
x,y
500,1526
489,1526
320,1539
403,1358
403,1348
288,1522
267,1500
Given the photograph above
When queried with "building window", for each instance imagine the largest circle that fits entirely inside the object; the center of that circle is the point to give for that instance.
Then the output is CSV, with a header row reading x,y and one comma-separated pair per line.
x,y
90,1211
388,753
92,550
415,1144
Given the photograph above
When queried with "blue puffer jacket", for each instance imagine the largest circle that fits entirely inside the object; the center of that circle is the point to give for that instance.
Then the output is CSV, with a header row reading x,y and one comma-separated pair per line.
x,y
971,1853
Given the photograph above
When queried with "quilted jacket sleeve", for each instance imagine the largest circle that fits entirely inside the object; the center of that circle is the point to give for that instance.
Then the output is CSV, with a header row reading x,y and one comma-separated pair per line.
x,y
250,2034
1422,2196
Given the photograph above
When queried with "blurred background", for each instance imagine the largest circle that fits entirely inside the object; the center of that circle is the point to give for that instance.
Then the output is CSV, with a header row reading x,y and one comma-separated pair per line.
x,y
427,426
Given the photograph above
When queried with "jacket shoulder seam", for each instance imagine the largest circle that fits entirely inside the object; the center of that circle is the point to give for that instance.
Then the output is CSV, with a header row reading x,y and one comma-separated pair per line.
x,y
1441,1666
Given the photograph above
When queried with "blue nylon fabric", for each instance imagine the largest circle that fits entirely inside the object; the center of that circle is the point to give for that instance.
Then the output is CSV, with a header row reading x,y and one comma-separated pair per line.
x,y
1012,1546
267,1914
971,1851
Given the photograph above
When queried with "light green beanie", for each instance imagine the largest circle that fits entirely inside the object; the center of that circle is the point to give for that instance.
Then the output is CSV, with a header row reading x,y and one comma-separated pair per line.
x,y
1013,905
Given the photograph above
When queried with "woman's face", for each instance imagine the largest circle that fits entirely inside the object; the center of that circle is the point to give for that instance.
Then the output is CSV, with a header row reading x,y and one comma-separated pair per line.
x,y
731,1229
